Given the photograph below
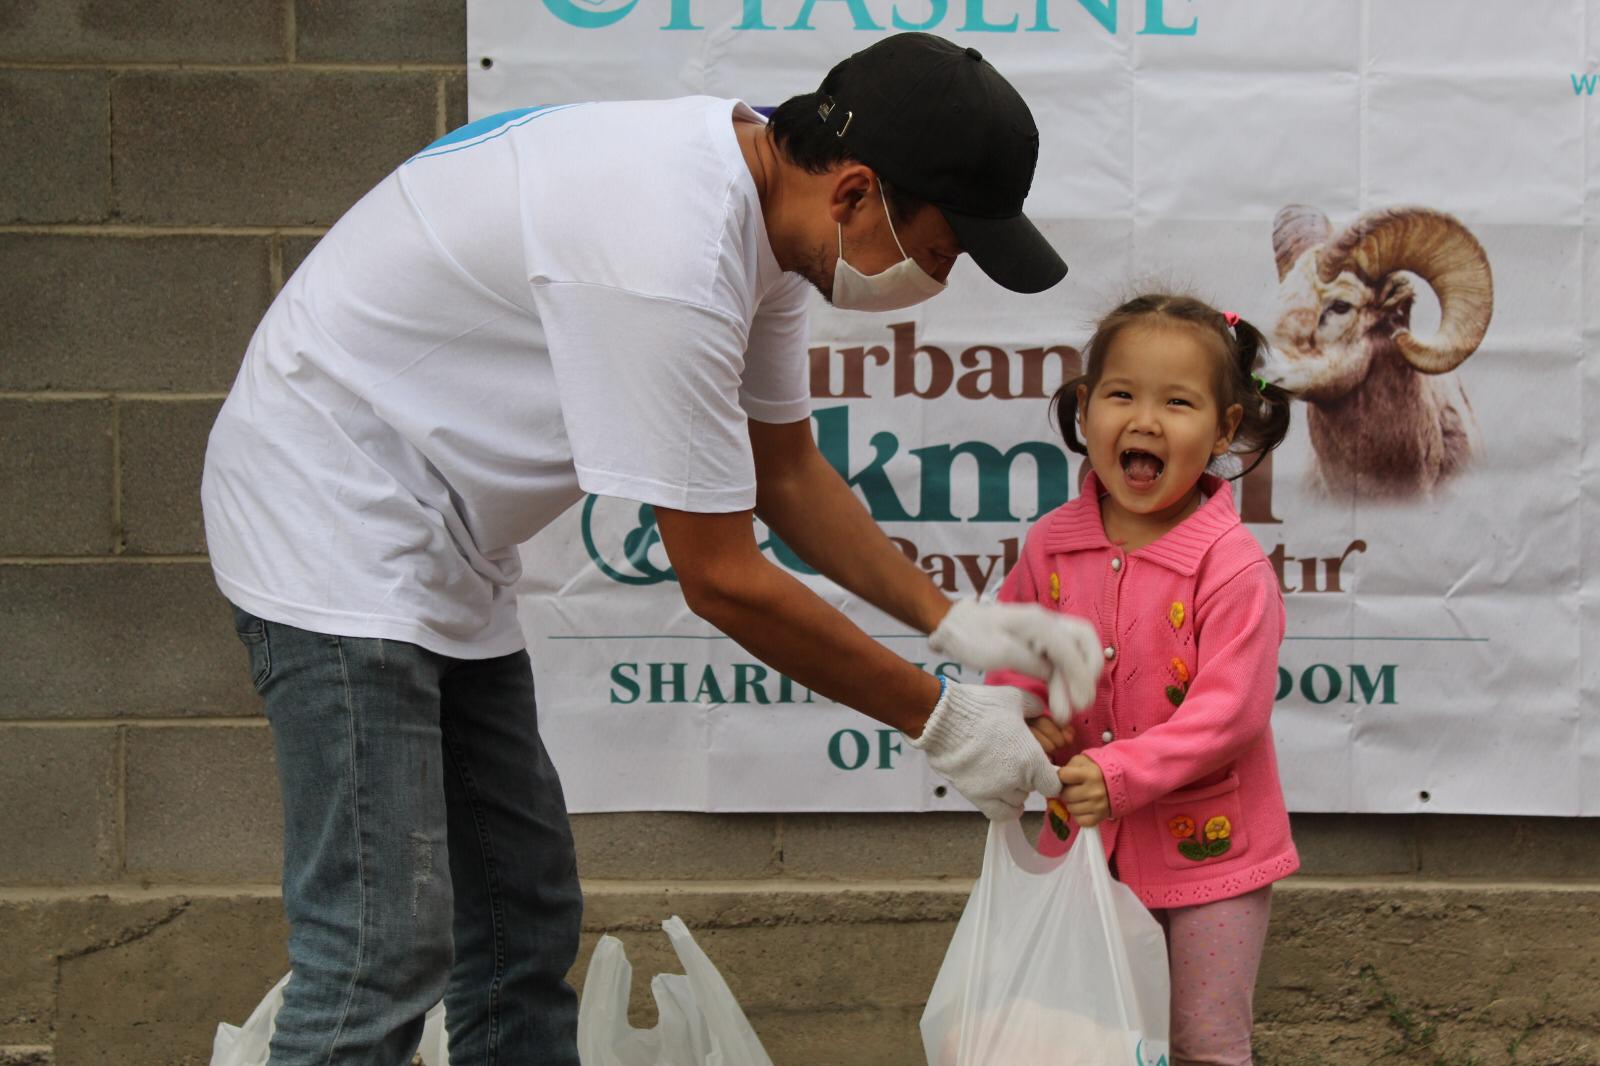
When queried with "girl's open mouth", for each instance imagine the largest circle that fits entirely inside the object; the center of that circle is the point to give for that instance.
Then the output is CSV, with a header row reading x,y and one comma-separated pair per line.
x,y
1141,468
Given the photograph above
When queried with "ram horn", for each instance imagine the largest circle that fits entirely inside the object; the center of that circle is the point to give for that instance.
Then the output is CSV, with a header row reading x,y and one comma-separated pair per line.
x,y
1296,228
1439,250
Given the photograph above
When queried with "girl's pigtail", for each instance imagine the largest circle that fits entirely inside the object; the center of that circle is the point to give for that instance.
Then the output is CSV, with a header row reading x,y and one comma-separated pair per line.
x,y
1064,406
1266,421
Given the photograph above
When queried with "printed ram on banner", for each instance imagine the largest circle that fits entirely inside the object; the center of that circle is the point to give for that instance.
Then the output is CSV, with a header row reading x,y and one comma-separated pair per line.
x,y
1399,195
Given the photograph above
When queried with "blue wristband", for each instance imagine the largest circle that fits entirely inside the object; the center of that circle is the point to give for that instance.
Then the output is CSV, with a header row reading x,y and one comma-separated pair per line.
x,y
944,683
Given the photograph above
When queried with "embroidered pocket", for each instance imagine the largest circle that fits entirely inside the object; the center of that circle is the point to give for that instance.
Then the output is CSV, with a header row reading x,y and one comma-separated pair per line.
x,y
1201,826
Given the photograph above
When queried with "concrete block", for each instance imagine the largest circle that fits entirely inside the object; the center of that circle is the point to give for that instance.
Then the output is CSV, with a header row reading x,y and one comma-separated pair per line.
x,y
56,126
853,847
203,804
1354,845
1333,952
235,148
155,994
676,846
842,1038
89,640
455,100
42,929
143,977
192,31
58,805
622,907
55,478
131,313
785,946
1322,1043
1409,1037
146,982
888,965
163,450
1508,848
1531,1042
294,251
400,31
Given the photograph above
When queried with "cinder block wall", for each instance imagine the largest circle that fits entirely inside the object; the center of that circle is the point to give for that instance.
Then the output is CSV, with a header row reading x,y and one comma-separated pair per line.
x,y
166,166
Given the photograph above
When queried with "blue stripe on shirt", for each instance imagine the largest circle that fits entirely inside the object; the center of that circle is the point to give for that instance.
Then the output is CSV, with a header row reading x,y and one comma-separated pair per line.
x,y
485,129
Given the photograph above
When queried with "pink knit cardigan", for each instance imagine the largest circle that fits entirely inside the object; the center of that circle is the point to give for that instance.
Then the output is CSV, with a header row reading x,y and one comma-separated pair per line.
x,y
1191,625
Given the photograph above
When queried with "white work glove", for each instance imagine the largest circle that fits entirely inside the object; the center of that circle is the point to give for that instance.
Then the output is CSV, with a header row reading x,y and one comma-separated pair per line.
x,y
1060,649
978,739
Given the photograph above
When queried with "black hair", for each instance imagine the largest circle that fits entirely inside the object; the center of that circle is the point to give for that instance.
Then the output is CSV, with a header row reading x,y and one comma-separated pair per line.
x,y
802,137
1266,406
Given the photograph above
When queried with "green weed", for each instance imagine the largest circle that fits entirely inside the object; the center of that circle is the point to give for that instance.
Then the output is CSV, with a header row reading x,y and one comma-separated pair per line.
x,y
1418,1037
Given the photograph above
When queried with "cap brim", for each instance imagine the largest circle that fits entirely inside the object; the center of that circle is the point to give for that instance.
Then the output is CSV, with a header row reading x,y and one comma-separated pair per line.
x,y
1011,251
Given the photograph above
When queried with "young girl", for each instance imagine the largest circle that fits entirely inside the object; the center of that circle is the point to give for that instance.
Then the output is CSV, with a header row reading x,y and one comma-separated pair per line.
x,y
1175,754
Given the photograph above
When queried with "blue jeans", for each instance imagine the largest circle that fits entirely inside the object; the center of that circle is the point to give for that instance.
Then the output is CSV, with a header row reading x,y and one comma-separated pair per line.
x,y
427,853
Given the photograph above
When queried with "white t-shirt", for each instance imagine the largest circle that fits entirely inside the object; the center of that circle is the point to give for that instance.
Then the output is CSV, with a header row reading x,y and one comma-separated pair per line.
x,y
545,303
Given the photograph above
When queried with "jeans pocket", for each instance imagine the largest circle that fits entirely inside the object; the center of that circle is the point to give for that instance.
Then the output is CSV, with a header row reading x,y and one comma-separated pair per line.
x,y
252,633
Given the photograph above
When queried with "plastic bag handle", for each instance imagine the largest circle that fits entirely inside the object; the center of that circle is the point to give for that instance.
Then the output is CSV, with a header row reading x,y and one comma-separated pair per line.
x,y
1100,879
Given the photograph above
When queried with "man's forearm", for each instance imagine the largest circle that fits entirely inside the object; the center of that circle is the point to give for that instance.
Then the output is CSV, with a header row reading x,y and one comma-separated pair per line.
x,y
784,624
818,516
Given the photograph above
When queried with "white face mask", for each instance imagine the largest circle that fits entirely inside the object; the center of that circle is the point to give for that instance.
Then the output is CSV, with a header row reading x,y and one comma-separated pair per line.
x,y
900,286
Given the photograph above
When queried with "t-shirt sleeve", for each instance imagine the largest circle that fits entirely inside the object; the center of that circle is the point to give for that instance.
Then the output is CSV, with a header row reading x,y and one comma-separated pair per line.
x,y
777,382
649,391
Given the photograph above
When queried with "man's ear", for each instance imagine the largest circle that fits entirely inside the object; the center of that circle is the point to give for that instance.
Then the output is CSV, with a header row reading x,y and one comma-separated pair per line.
x,y
851,184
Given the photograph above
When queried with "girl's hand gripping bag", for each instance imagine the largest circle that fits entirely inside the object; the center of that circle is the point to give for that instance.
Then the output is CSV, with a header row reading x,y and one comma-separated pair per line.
x,y
1053,963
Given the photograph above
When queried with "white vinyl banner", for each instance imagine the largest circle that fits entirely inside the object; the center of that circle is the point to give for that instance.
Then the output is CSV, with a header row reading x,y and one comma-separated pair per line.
x,y
1428,529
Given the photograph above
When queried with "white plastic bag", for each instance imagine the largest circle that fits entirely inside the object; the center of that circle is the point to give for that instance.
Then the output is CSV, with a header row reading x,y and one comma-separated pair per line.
x,y
700,1021
248,1044
435,1046
1053,963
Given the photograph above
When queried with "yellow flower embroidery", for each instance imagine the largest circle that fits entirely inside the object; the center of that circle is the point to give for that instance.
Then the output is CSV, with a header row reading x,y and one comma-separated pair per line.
x,y
1175,615
1055,587
1181,671
1214,842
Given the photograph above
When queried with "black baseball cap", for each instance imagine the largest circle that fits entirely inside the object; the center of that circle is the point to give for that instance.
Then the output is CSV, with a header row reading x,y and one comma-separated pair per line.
x,y
938,121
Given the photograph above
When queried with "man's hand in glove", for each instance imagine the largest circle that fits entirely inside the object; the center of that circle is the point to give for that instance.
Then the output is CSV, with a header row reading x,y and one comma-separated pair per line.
x,y
978,739
1062,650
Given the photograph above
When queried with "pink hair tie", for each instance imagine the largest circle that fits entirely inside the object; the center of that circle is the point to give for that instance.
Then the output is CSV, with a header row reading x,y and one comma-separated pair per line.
x,y
1230,318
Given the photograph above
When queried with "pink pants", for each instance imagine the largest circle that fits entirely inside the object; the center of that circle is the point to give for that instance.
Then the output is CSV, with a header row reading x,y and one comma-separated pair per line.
x,y
1215,950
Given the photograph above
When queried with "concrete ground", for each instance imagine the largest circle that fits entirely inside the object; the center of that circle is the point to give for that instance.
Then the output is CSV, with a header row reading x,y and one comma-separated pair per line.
x,y
1392,946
